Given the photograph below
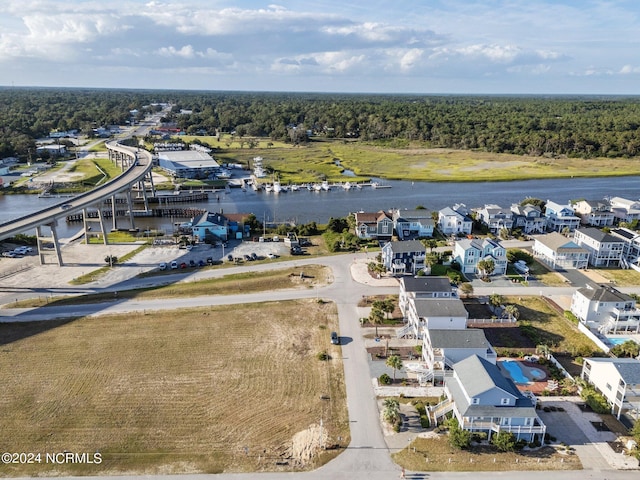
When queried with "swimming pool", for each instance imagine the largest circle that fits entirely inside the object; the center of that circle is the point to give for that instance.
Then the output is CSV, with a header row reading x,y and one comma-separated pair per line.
x,y
617,340
519,376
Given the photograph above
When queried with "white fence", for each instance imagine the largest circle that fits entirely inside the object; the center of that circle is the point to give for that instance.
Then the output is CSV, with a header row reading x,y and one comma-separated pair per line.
x,y
593,337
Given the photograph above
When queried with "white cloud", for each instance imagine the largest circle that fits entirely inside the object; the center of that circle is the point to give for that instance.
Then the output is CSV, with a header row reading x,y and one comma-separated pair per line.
x,y
629,69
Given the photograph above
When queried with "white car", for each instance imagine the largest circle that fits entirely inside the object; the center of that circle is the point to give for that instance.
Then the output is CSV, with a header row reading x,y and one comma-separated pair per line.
x,y
162,266
174,265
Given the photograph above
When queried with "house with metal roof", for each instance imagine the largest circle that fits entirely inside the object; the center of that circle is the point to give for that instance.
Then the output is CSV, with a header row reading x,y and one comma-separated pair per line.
x,y
188,164
604,249
423,287
558,251
606,309
617,379
484,400
442,348
437,313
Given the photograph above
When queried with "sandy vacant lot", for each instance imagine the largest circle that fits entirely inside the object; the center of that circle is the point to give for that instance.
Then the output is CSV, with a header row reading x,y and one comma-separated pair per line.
x,y
208,390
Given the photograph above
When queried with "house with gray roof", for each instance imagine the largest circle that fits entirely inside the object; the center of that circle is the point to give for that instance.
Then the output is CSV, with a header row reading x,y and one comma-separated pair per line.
x,y
560,217
618,379
604,249
528,218
484,400
412,223
455,220
625,210
495,218
468,252
437,313
442,348
596,213
423,287
404,257
558,251
373,225
606,309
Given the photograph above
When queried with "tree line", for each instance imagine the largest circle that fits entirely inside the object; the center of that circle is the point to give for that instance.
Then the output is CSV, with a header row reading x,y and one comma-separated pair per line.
x,y
581,127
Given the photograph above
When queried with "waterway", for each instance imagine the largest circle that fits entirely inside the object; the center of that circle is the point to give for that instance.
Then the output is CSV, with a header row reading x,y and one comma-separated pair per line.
x,y
305,206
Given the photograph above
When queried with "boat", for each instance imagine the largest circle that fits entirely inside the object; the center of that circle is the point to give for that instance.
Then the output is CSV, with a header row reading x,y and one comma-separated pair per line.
x,y
317,187
325,186
346,186
358,186
276,187
294,188
268,187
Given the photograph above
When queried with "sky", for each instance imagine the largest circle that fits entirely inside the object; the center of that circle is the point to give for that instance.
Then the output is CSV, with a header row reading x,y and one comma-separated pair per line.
x,y
368,46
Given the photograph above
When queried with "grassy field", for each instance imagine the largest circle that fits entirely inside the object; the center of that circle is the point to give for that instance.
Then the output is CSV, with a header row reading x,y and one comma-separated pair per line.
x,y
622,278
436,455
249,282
203,390
322,159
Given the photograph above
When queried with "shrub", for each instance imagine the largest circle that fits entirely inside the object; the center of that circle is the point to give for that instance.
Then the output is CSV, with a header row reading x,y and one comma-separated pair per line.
x,y
384,379
571,317
324,356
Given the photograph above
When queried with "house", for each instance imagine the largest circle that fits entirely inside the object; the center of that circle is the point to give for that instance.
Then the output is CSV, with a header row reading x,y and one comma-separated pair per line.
x,y
373,225
618,379
604,249
606,309
210,224
596,213
631,246
441,349
423,287
483,400
468,252
528,218
434,313
625,210
412,223
558,251
455,220
560,217
54,149
495,218
404,257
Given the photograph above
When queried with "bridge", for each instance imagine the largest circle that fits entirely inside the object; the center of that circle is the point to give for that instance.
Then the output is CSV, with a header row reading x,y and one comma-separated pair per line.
x,y
136,166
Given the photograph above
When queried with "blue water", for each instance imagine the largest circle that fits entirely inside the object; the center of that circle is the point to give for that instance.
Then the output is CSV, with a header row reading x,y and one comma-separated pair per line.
x,y
617,340
515,372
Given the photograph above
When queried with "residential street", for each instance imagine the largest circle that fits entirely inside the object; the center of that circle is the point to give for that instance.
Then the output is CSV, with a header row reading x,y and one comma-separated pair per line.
x,y
367,457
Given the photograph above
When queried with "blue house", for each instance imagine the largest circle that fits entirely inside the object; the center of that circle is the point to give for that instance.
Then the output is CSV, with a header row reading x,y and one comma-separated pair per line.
x,y
404,257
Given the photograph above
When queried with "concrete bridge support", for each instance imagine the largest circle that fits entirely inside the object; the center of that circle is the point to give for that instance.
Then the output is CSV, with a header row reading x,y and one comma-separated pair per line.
x,y
52,238
94,227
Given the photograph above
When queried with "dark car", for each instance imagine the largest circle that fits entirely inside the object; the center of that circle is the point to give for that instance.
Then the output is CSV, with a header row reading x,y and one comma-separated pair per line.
x,y
192,263
254,256
209,260
335,340
248,258
201,263
230,257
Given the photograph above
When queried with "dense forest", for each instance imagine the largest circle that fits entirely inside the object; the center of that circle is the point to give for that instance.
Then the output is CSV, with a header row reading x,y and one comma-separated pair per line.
x,y
526,125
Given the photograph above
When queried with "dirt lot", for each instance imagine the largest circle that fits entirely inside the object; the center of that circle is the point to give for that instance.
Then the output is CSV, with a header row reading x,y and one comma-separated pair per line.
x,y
208,390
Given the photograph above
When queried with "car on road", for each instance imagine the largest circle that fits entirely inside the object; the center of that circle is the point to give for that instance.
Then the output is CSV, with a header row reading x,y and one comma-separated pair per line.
x,y
335,340
174,265
162,266
66,206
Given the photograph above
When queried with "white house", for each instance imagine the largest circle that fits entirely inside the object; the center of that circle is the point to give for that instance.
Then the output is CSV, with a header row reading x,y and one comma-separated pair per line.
x,y
558,251
618,379
631,245
436,313
423,287
441,349
560,216
455,220
468,252
596,213
603,308
604,249
483,400
495,218
625,210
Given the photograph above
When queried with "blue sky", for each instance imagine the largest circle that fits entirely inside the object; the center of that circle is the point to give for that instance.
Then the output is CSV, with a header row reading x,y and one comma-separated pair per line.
x,y
397,46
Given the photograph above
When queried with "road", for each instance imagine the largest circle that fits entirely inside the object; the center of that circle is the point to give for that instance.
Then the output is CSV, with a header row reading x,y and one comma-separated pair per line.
x,y
367,457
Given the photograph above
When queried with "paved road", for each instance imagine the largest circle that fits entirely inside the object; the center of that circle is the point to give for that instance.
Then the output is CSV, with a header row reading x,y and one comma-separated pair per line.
x,y
367,457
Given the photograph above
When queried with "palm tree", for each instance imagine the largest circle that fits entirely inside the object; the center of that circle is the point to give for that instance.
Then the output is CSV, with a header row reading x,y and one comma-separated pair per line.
x,y
486,267
467,289
512,311
391,412
376,316
395,362
388,306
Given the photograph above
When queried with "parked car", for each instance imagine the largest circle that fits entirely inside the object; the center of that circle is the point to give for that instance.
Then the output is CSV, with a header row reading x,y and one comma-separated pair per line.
x,y
201,263
335,340
9,254
174,265
248,258
192,263
254,256
162,266
272,255
183,265
230,257
209,260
